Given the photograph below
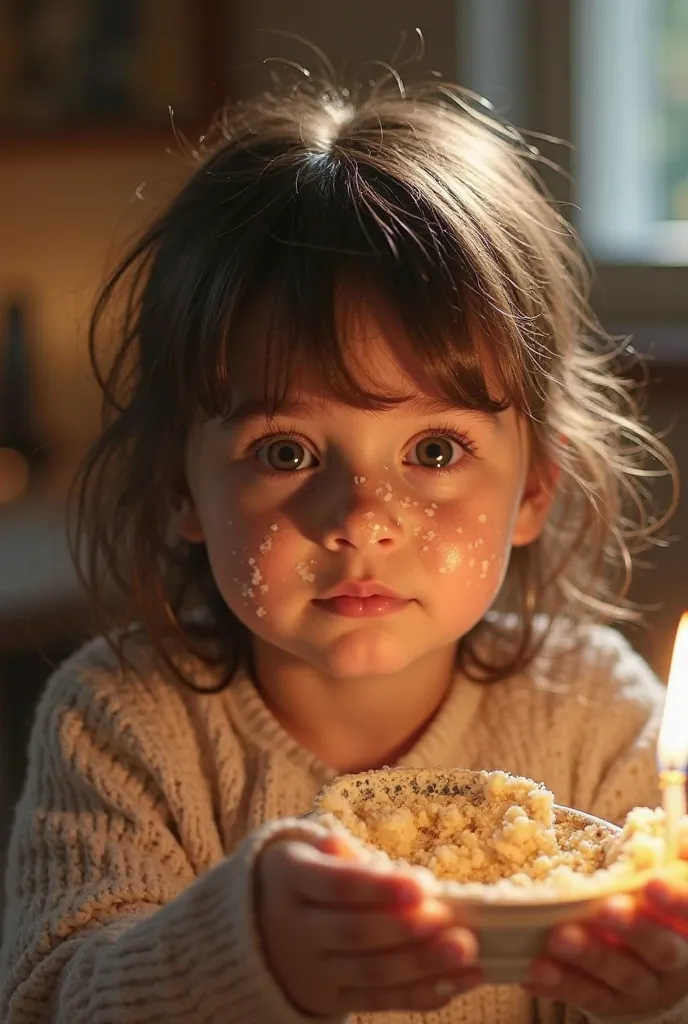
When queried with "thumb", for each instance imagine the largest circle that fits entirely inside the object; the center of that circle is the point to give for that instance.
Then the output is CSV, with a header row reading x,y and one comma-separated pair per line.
x,y
336,844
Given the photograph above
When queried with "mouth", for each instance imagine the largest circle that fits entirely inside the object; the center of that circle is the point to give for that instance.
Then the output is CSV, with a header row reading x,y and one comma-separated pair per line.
x,y
362,599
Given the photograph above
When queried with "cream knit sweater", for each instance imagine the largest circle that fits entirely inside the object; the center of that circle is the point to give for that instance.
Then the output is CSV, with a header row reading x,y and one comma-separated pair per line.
x,y
128,888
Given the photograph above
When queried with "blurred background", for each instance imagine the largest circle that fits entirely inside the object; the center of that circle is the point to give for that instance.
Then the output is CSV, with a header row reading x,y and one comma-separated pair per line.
x,y
88,153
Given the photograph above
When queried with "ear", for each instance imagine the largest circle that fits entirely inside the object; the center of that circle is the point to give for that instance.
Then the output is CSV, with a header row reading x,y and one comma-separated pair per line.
x,y
189,525
536,503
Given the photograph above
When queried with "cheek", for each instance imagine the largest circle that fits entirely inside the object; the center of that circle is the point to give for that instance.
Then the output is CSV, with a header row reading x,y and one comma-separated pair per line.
x,y
477,553
255,562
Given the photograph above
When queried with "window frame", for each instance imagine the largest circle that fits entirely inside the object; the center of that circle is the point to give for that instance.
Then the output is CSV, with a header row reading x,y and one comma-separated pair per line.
x,y
638,293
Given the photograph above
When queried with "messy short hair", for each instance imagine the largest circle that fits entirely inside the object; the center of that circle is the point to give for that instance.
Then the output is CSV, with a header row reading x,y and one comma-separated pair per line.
x,y
421,195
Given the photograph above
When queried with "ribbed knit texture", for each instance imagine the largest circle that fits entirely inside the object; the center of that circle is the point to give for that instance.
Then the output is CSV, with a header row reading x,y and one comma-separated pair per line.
x,y
129,886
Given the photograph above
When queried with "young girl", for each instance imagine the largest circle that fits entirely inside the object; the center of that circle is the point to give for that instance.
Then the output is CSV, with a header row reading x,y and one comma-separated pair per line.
x,y
368,487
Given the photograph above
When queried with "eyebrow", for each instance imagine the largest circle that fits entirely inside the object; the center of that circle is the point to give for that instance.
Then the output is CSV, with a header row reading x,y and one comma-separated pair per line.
x,y
254,408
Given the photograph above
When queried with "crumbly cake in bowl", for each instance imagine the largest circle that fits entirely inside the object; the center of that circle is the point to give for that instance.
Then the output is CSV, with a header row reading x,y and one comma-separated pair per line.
x,y
510,861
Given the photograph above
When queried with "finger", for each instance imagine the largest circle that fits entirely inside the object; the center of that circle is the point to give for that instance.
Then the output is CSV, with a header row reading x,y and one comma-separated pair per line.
x,y
614,966
336,881
653,943
335,930
422,998
669,902
442,956
336,845
554,981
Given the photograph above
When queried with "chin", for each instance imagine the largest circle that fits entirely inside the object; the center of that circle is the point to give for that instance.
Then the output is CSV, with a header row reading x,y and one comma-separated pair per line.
x,y
358,655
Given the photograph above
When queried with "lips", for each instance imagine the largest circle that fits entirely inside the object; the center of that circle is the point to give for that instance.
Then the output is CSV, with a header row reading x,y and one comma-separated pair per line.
x,y
362,599
361,589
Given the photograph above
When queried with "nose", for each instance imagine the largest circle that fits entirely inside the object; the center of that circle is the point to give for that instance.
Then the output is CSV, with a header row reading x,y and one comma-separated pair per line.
x,y
362,524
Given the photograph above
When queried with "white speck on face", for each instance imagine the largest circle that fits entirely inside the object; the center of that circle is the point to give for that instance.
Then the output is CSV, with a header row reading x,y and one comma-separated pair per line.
x,y
388,497
274,527
368,515
251,561
304,572
471,563
430,535
260,612
433,505
425,548
256,576
263,588
266,544
430,512
459,529
359,480
485,565
482,518
416,530
443,569
415,504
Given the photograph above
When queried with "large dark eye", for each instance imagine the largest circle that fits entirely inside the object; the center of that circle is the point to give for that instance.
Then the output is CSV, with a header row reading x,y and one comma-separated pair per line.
x,y
434,452
285,455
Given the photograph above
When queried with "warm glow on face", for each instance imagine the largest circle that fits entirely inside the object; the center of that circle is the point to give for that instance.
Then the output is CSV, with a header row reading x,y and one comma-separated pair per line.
x,y
672,747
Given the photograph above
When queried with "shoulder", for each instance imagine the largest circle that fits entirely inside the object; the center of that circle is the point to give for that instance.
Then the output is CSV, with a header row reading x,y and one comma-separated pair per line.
x,y
105,692
599,665
583,675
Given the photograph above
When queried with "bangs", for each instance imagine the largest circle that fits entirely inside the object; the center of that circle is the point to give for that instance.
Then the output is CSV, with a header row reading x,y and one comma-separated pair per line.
x,y
336,240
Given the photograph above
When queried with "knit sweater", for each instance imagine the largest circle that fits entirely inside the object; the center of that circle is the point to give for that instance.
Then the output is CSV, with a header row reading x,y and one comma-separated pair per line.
x,y
129,878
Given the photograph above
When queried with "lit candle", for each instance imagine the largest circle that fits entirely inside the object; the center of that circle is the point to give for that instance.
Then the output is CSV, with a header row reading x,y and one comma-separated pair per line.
x,y
672,746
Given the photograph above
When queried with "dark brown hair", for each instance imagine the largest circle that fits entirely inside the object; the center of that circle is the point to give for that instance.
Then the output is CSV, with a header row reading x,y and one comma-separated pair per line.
x,y
421,195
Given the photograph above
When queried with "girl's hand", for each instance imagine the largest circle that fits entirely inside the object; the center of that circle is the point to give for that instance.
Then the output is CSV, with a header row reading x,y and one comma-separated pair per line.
x,y
341,937
632,959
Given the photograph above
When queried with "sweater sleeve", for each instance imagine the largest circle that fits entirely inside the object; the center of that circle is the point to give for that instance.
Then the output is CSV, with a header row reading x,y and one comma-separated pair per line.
x,y
105,918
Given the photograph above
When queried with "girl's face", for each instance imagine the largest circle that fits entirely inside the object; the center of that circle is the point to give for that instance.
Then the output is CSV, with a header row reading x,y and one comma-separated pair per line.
x,y
359,541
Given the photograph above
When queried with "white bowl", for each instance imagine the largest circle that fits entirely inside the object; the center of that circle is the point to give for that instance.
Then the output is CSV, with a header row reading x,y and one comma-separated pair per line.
x,y
510,932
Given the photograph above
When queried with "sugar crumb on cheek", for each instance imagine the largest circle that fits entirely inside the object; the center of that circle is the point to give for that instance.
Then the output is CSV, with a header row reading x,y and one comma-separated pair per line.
x,y
304,572
260,612
482,518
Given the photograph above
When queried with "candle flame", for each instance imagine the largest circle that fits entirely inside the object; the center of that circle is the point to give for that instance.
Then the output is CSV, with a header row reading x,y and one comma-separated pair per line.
x,y
672,746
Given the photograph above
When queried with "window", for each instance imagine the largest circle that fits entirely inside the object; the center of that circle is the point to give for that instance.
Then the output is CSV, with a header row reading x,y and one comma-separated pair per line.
x,y
631,127
611,77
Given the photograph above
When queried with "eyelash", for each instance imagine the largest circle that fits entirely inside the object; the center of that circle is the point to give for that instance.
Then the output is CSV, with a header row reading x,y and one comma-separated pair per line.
x,y
290,434
463,441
